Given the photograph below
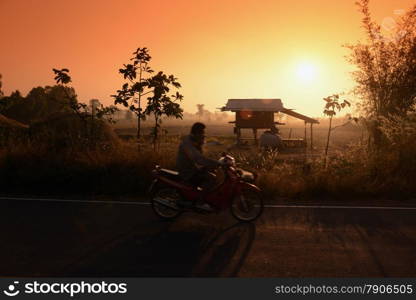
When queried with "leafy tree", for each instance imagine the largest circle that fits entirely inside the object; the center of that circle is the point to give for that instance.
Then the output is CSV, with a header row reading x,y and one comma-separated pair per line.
x,y
8,102
157,87
39,103
16,95
160,103
386,72
332,105
81,109
62,78
131,93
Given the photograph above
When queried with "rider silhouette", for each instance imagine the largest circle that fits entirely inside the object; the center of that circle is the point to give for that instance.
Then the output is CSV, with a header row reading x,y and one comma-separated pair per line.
x,y
193,166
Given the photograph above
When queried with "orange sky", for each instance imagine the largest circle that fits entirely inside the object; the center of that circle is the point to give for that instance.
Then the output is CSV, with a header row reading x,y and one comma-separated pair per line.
x,y
218,49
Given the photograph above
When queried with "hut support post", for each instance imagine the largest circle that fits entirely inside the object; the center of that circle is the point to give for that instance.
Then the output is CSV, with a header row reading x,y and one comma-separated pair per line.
x,y
311,142
238,132
255,135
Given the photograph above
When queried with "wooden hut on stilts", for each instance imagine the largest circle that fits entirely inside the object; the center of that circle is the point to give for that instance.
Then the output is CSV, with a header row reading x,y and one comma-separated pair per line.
x,y
257,114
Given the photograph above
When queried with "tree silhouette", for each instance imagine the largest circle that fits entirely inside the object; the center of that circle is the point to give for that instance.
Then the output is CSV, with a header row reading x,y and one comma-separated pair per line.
x,y
8,103
62,78
332,105
156,88
160,103
131,93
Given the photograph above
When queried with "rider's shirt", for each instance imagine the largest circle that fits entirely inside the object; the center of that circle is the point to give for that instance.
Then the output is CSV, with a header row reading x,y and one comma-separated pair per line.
x,y
190,158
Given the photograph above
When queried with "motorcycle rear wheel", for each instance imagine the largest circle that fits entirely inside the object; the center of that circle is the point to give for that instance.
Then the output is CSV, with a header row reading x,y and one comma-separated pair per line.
x,y
248,206
164,203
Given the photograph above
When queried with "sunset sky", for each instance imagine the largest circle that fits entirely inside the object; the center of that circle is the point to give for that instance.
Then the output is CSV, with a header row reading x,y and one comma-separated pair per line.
x,y
218,49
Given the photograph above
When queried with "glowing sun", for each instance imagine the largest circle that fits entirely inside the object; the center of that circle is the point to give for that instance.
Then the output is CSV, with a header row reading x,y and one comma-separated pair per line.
x,y
306,72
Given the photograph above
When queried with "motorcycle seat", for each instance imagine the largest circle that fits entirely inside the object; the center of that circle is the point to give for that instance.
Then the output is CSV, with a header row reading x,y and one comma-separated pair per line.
x,y
169,172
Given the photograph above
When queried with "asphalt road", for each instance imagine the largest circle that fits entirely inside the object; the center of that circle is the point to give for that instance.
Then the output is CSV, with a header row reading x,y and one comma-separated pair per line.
x,y
41,238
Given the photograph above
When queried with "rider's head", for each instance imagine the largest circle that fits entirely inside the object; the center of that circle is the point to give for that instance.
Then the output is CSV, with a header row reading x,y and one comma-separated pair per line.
x,y
198,134
198,129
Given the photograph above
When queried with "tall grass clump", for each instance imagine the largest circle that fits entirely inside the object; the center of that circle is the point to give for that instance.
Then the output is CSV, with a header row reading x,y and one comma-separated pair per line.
x,y
353,173
119,171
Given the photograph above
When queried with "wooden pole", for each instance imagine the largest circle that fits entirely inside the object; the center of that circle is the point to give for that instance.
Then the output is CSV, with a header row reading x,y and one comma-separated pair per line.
x,y
311,142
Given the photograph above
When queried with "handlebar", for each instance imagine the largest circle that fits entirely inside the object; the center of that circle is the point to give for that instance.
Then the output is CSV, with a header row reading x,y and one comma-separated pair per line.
x,y
227,160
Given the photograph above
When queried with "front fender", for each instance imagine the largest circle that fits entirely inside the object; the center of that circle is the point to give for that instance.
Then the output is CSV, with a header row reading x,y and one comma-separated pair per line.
x,y
244,184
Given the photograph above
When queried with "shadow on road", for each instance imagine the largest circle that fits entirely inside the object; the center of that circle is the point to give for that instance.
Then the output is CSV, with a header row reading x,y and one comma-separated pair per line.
x,y
170,253
226,252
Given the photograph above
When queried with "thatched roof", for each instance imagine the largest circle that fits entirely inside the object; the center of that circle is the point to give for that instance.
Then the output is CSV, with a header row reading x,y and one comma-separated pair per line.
x,y
10,123
253,105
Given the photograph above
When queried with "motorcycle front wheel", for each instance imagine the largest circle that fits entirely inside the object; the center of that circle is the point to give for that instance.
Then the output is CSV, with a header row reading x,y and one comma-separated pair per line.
x,y
247,206
164,201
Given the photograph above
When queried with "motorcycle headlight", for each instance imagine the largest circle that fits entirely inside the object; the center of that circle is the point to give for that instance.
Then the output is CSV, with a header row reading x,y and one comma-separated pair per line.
x,y
227,160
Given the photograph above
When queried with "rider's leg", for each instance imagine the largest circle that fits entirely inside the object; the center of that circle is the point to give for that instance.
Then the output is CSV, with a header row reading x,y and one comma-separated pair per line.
x,y
207,183
196,180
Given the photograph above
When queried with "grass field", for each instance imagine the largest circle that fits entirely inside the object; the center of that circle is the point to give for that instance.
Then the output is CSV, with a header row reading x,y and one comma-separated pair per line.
x,y
122,170
340,137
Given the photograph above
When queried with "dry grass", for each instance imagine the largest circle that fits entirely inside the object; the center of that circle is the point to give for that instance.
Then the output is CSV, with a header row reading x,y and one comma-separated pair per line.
x,y
123,170
117,171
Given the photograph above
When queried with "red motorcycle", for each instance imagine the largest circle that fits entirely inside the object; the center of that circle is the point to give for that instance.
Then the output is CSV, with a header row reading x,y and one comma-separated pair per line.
x,y
236,192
